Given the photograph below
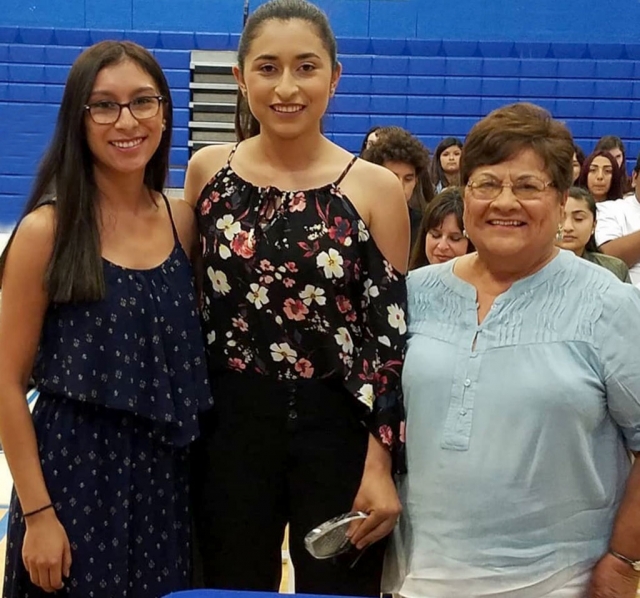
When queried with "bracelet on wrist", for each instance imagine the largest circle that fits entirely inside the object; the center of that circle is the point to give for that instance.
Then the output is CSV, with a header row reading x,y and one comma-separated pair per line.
x,y
36,511
635,565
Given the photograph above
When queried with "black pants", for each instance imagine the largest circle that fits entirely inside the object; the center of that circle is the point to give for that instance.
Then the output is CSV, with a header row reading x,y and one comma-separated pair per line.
x,y
273,453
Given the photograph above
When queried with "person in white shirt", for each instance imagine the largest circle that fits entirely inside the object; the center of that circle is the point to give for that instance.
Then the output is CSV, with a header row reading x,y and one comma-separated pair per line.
x,y
618,227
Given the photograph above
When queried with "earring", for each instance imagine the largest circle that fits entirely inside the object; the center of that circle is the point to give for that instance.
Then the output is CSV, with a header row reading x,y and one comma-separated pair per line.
x,y
559,233
164,126
464,233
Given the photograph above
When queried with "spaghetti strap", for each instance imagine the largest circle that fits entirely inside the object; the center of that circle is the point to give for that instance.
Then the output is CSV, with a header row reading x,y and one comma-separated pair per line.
x,y
345,172
46,201
232,153
173,224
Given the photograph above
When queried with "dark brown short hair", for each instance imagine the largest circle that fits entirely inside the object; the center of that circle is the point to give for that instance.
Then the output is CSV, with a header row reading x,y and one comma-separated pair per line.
x,y
509,130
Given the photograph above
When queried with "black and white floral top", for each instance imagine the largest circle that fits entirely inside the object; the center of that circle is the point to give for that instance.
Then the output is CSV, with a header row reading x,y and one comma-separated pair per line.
x,y
295,287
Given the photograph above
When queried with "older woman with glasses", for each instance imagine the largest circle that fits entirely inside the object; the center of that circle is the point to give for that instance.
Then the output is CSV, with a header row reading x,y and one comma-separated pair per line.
x,y
522,387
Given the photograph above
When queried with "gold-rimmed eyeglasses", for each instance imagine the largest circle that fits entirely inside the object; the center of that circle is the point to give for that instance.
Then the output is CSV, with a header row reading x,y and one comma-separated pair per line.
x,y
526,188
106,112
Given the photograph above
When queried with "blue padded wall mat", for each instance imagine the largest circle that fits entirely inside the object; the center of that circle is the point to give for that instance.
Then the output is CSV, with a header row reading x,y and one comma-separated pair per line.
x,y
434,88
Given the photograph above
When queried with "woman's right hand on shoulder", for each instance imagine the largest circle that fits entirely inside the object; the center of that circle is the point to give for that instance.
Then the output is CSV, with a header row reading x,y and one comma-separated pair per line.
x,y
201,168
46,552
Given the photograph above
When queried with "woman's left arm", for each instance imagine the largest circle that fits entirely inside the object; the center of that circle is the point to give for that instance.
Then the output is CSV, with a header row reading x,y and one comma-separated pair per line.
x,y
376,373
612,577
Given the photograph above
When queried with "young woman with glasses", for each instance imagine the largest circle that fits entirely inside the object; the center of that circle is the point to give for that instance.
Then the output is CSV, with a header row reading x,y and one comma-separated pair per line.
x,y
98,302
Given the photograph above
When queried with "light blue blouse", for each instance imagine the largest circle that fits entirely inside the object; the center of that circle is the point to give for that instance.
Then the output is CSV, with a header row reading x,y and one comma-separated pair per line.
x,y
516,446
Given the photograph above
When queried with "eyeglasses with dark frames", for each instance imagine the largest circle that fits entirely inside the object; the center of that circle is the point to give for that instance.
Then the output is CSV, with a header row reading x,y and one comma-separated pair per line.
x,y
107,112
527,188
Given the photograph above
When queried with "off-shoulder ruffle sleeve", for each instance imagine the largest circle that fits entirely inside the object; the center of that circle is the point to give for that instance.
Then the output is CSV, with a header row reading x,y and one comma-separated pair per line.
x,y
375,376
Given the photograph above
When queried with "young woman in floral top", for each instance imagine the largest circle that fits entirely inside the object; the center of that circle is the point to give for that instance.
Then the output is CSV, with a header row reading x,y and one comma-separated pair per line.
x,y
304,249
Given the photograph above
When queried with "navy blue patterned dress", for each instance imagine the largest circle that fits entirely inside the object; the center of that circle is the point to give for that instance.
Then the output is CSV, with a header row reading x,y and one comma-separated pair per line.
x,y
122,381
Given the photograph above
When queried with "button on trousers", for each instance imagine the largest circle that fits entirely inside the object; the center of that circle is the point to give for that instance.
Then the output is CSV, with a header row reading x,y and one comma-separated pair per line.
x,y
273,453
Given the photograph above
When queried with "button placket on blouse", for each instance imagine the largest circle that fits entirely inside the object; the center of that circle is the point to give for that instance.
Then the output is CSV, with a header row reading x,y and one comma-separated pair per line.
x,y
457,429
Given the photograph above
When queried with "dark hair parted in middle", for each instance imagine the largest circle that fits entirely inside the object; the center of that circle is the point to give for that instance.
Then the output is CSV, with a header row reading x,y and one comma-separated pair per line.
x,y
446,202
616,189
612,142
507,131
246,125
438,175
66,173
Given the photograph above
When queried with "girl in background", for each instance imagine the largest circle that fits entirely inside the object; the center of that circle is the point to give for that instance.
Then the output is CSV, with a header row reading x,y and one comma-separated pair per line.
x,y
578,230
602,176
441,235
445,168
615,146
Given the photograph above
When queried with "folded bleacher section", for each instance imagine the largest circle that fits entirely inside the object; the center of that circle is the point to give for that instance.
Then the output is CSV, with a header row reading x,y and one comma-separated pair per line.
x,y
432,88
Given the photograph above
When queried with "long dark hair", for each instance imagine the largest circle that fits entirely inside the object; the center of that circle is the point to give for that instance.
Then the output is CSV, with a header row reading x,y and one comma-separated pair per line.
x,y
617,183
438,175
582,194
246,125
611,142
580,157
75,272
448,201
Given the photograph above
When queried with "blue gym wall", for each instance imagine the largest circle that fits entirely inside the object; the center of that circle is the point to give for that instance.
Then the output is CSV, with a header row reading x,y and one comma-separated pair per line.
x,y
519,20
406,62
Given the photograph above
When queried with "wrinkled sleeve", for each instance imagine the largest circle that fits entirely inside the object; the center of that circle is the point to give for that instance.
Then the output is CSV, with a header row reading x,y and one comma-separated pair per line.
x,y
618,334
374,378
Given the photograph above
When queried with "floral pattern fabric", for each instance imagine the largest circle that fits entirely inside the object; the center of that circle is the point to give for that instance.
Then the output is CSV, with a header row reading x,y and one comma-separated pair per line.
x,y
295,287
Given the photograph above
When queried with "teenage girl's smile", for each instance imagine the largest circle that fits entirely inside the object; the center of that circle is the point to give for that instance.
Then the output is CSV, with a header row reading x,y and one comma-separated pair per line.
x,y
128,145
288,78
288,109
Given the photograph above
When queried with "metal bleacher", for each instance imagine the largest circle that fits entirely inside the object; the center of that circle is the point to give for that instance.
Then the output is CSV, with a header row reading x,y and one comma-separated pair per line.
x,y
213,98
434,88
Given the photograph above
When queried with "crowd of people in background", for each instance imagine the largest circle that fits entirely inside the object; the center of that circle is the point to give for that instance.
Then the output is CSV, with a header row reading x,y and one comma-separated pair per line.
x,y
436,219
256,356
